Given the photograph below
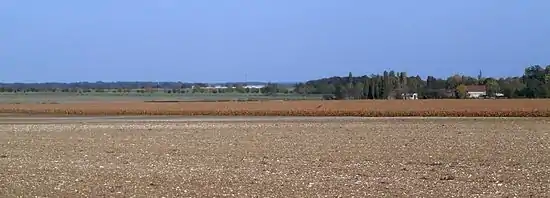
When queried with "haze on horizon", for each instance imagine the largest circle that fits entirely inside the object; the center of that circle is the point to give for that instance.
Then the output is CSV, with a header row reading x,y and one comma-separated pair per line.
x,y
283,40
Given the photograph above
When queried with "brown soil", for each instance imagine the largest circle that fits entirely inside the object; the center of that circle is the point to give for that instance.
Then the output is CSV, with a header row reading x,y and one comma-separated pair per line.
x,y
297,108
458,157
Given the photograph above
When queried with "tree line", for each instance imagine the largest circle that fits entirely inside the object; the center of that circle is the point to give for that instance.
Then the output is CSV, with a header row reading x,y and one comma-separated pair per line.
x,y
147,87
534,83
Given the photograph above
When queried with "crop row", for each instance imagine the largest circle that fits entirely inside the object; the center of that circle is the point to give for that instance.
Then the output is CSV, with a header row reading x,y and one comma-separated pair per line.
x,y
357,113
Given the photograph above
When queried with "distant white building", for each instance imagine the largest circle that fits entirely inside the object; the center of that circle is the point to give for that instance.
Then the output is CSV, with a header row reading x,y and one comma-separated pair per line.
x,y
409,96
225,87
476,91
254,86
479,91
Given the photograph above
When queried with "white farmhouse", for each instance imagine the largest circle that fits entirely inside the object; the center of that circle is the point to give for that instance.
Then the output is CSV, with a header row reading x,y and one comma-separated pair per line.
x,y
476,91
409,96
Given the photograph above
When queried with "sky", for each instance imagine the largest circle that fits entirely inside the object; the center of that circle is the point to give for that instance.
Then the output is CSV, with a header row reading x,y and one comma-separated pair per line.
x,y
270,40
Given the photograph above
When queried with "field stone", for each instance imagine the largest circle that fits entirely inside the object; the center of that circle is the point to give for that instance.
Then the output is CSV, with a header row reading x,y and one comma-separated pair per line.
x,y
492,158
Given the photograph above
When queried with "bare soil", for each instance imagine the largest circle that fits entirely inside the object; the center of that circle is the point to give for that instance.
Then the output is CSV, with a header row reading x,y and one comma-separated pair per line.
x,y
316,158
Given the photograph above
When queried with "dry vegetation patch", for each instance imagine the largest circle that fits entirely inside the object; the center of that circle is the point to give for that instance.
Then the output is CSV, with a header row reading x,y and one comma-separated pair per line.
x,y
366,108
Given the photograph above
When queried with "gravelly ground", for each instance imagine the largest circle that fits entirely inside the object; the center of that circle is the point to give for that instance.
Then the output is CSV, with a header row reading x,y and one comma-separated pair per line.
x,y
315,158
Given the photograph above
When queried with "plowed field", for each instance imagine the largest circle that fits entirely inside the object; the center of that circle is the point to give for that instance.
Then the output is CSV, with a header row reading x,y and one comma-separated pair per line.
x,y
385,108
341,157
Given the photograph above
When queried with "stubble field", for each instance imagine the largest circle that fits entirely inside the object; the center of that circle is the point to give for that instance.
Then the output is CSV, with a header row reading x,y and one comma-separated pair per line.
x,y
275,157
365,108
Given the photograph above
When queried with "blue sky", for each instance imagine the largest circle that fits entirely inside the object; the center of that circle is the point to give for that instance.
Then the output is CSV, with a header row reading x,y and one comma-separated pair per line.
x,y
271,40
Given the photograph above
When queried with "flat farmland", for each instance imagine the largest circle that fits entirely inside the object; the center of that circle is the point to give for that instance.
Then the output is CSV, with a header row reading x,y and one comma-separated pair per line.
x,y
274,157
62,98
367,108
